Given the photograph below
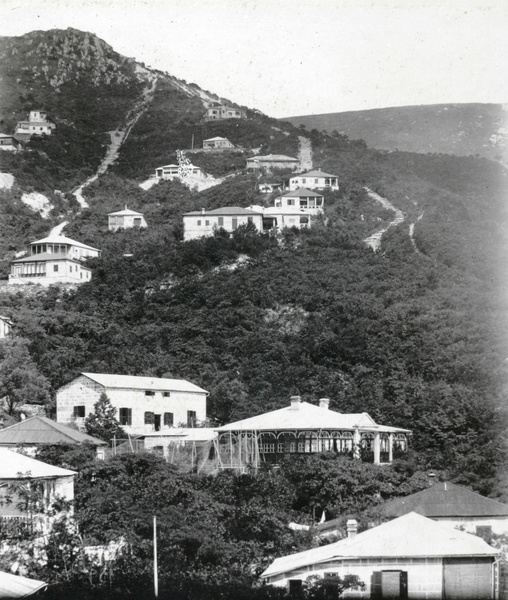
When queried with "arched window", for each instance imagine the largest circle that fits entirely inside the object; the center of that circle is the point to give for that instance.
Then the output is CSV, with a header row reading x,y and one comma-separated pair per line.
x,y
308,442
267,443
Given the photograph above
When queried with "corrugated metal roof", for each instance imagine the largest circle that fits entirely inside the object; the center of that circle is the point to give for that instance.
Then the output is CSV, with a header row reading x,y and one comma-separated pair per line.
x,y
41,430
136,382
226,211
302,192
17,466
315,173
409,536
305,416
14,586
61,239
445,500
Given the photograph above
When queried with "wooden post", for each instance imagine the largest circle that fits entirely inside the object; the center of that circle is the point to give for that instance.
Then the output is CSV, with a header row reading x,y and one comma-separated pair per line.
x,y
155,568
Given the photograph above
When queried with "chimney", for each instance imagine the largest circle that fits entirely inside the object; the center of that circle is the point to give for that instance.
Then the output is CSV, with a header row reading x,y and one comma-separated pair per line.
x,y
324,403
295,401
202,211
352,528
432,478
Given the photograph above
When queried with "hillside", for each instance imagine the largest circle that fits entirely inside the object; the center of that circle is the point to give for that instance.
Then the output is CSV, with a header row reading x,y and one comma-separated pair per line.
x,y
413,334
460,129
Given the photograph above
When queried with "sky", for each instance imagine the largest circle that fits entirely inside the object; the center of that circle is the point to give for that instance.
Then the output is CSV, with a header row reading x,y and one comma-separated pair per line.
x,y
296,57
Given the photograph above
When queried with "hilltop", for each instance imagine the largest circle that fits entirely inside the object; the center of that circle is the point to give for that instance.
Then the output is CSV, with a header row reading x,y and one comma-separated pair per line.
x,y
460,129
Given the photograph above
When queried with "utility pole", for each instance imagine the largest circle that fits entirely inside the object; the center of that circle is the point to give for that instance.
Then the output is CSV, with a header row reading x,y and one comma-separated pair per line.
x,y
155,568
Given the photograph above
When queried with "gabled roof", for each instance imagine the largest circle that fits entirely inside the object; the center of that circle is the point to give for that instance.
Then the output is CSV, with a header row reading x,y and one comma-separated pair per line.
x,y
125,213
41,430
17,466
274,158
226,211
302,192
61,239
45,256
445,500
305,416
15,586
169,167
217,139
315,173
143,383
409,536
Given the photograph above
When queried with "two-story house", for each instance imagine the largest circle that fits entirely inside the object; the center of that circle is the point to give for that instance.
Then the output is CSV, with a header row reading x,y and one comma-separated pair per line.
x,y
55,259
217,112
199,223
314,180
37,124
310,201
9,142
144,404
217,143
277,217
126,219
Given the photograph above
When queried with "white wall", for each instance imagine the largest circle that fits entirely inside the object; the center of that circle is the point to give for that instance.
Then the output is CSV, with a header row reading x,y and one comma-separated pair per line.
x,y
197,226
499,524
311,183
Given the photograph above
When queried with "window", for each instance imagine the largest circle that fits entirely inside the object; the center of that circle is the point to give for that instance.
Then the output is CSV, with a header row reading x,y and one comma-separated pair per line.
x,y
149,393
166,394
207,223
168,419
158,450
55,268
125,415
79,412
250,219
191,418
291,201
234,223
149,418
221,221
199,223
316,181
70,269
304,180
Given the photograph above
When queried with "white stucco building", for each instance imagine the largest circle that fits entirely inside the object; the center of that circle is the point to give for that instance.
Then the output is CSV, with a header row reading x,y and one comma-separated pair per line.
x,y
55,259
271,162
203,222
217,112
217,143
144,404
171,172
126,219
37,124
302,198
314,180
276,217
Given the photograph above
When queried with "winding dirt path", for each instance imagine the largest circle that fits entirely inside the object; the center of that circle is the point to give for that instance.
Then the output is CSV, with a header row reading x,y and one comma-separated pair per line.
x,y
118,137
305,153
412,236
374,240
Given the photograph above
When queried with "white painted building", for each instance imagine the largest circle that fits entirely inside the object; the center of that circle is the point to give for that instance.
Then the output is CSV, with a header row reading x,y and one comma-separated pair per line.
x,y
37,124
144,404
409,557
217,112
55,259
217,143
314,180
203,222
271,162
126,219
9,142
5,326
171,172
277,217
305,199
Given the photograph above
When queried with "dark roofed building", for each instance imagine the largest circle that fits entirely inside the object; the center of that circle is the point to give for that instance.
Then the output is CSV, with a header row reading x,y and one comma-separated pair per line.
x,y
455,505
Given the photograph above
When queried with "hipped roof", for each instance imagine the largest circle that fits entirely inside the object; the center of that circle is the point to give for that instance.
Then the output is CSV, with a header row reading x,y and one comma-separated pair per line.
x,y
15,586
445,500
41,430
143,383
305,416
410,536
226,211
17,466
217,139
125,213
315,173
45,256
302,192
61,239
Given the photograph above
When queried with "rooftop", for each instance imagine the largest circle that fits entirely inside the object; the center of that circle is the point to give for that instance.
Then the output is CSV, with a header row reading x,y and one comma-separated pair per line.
x,y
125,213
274,158
61,239
41,430
305,416
409,536
226,211
216,139
302,192
315,173
18,466
445,500
143,383
44,256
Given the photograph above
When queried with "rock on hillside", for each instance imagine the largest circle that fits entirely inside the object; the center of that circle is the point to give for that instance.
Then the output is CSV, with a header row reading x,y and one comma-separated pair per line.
x,y
460,129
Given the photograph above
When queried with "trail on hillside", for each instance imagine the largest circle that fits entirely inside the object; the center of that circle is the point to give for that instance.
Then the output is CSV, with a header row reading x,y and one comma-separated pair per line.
x,y
118,137
58,229
305,153
374,240
411,234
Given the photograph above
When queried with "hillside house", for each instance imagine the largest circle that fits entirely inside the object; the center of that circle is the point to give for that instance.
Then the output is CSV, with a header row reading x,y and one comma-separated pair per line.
x,y
303,428
217,112
453,505
268,187
21,475
5,326
203,222
55,259
144,404
126,219
314,180
171,172
302,199
271,162
409,557
37,124
217,143
31,434
276,218
9,142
